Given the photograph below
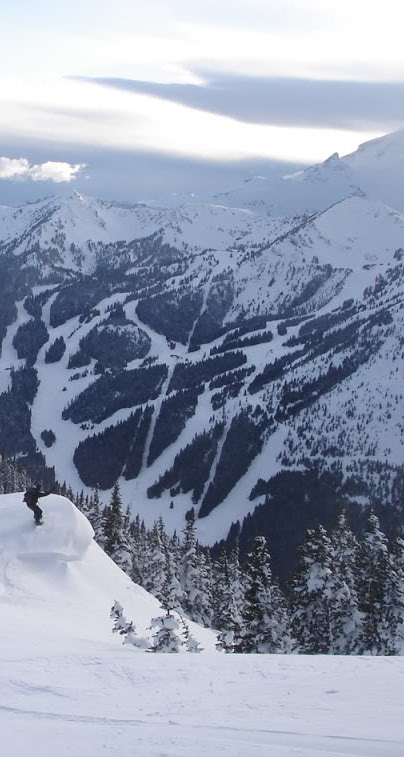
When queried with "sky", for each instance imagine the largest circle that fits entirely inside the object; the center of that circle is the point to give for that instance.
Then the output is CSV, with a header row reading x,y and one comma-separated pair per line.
x,y
137,99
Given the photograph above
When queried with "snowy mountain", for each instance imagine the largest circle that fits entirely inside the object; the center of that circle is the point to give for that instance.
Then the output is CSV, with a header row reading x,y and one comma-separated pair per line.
x,y
374,171
240,354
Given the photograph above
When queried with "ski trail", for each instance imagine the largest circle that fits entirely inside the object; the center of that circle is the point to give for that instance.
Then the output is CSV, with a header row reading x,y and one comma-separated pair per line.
x,y
202,310
8,354
215,462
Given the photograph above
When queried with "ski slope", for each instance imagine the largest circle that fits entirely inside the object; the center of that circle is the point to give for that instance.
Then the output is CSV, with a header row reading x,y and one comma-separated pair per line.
x,y
68,686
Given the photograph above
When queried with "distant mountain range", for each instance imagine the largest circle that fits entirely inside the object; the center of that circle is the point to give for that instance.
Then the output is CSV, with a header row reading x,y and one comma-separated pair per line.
x,y
240,353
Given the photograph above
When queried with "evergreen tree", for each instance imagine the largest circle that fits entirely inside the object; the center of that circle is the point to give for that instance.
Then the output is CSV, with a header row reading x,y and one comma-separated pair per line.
x,y
113,522
396,598
236,585
105,527
155,569
374,569
115,539
123,556
189,564
195,577
225,641
265,621
166,638
126,628
94,514
312,594
120,622
172,594
202,610
227,617
345,617
139,543
190,643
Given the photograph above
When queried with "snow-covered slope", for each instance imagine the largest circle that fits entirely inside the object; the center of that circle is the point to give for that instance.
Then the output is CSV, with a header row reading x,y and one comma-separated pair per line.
x,y
57,584
67,686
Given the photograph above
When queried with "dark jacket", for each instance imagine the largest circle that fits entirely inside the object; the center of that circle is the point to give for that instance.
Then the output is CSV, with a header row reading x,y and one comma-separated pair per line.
x,y
32,495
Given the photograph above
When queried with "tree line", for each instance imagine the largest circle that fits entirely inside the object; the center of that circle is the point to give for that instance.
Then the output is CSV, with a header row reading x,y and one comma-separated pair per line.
x,y
346,595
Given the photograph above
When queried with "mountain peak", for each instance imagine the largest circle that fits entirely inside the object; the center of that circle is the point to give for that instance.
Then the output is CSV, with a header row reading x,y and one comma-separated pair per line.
x,y
334,158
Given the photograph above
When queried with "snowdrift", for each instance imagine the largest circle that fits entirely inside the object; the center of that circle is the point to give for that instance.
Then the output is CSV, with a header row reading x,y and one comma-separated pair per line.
x,y
56,582
65,534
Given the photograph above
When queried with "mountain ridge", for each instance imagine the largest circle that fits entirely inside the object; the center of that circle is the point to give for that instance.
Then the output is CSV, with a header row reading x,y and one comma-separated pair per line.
x,y
191,351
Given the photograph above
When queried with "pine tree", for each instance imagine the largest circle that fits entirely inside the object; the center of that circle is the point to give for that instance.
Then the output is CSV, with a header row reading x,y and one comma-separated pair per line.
x,y
225,642
123,555
195,577
189,564
236,585
171,595
190,643
396,598
202,610
166,638
94,515
312,593
114,542
120,622
265,621
126,628
374,568
226,618
155,569
345,617
105,527
140,557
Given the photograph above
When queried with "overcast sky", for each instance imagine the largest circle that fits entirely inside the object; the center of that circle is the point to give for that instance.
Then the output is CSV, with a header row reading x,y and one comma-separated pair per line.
x,y
133,99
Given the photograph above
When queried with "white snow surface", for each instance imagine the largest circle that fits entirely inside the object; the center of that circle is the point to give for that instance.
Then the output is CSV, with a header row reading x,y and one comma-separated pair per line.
x,y
69,687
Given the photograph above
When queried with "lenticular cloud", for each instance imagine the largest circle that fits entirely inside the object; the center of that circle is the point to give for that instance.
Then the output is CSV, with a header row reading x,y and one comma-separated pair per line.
x,y
21,168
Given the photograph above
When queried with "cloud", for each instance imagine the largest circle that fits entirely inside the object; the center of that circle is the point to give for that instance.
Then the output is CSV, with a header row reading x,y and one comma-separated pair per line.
x,y
22,169
132,176
283,101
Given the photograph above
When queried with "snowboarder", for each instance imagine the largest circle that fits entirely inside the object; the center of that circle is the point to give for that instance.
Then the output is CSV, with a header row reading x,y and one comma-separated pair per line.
x,y
31,497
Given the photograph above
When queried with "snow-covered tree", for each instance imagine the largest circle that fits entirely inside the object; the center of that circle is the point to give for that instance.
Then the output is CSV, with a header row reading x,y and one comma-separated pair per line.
x,y
312,592
166,638
155,568
172,595
120,622
265,620
202,603
139,544
191,644
345,617
225,641
195,577
374,580
236,584
94,514
396,597
115,537
126,628
12,477
227,615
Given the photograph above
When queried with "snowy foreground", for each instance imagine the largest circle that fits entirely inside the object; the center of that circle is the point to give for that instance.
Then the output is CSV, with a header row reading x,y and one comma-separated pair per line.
x,y
68,687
